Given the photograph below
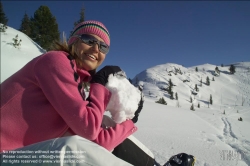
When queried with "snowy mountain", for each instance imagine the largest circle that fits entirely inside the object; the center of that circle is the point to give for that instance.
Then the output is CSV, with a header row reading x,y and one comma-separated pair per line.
x,y
214,138
235,86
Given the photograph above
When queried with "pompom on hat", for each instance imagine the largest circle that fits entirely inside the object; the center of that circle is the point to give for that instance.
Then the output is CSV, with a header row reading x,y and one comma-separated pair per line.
x,y
90,27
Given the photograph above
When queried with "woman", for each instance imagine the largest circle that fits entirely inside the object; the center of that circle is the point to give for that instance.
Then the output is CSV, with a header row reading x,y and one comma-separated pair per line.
x,y
42,100
45,99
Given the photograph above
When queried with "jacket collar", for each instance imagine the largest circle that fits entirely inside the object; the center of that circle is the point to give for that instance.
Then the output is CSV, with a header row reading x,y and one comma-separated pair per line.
x,y
82,73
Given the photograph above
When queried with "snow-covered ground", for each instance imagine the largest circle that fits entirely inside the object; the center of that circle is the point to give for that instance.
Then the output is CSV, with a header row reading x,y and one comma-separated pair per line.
x,y
214,138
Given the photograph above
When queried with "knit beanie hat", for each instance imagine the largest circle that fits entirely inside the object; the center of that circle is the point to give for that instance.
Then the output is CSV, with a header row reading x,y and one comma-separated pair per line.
x,y
90,27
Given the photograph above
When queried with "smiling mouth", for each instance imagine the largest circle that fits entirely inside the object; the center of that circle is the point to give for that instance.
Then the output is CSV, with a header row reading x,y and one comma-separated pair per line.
x,y
91,56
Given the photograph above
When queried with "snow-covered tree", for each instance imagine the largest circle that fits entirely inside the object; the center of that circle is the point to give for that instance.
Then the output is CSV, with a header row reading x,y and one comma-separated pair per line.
x,y
232,69
170,83
217,71
3,28
170,89
172,95
211,100
192,107
161,101
16,43
208,81
196,88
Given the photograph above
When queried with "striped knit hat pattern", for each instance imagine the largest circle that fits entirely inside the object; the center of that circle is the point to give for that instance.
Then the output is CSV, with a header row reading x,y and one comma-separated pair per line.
x,y
90,27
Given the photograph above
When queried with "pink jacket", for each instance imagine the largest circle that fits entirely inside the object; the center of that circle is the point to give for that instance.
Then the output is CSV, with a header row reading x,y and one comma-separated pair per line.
x,y
41,101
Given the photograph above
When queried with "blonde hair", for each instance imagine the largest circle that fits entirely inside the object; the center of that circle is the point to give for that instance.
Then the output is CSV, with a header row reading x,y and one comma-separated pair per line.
x,y
71,50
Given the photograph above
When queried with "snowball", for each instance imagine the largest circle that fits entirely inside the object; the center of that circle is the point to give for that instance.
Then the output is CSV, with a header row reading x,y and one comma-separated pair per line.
x,y
124,100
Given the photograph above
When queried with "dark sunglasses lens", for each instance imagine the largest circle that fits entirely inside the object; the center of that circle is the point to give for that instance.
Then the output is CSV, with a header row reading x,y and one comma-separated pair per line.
x,y
90,40
104,48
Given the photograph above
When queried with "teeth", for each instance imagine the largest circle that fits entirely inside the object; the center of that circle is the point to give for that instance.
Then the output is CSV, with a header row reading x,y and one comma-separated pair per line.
x,y
91,56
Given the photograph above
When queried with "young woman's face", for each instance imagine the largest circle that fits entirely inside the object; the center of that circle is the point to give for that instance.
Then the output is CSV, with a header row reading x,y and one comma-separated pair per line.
x,y
90,55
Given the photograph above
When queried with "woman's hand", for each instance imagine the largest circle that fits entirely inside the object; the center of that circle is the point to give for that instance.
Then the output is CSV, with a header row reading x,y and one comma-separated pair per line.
x,y
102,75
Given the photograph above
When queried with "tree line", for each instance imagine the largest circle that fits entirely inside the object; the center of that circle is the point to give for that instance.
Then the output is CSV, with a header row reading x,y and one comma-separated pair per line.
x,y
42,27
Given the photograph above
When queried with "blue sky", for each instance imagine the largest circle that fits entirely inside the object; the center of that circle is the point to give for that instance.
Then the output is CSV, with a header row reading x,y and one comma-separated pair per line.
x,y
147,33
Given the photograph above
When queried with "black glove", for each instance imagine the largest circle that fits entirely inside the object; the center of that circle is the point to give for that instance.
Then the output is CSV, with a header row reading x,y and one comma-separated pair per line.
x,y
102,75
137,112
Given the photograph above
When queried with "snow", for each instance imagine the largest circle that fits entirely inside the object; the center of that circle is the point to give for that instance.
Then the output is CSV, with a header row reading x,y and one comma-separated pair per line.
x,y
124,100
214,138
12,59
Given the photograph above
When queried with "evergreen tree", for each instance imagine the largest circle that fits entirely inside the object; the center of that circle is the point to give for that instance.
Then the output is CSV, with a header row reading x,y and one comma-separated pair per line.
x,y
217,69
211,100
196,69
192,107
44,28
16,43
171,95
196,88
170,83
176,95
201,82
213,79
3,28
3,18
232,69
81,19
25,25
208,81
198,105
161,101
191,99
170,89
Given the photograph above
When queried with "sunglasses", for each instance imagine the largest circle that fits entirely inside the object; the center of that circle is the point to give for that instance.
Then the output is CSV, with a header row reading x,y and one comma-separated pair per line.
x,y
91,41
